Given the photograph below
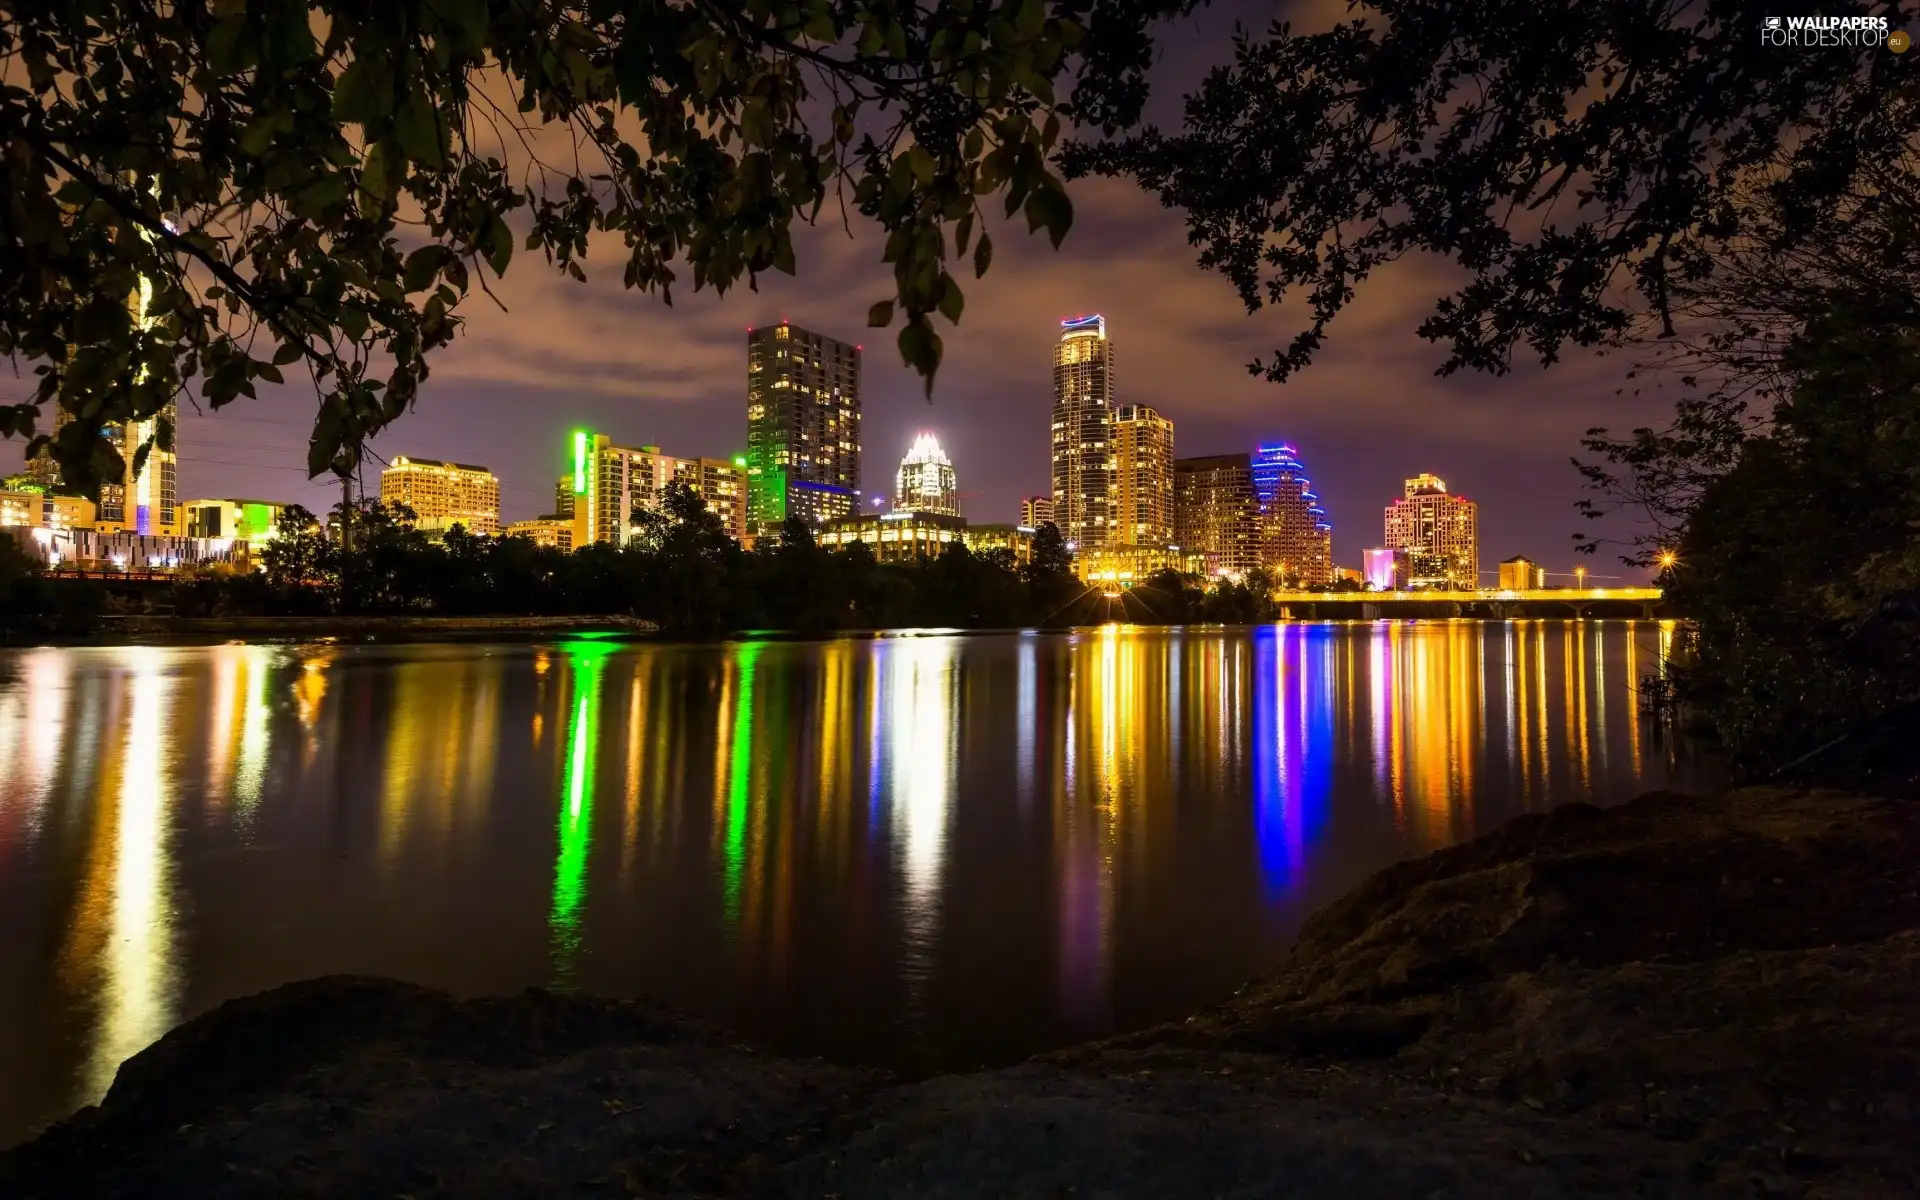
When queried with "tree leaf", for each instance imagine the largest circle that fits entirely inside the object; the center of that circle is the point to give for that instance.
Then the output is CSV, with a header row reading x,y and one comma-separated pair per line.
x,y
982,255
880,315
952,303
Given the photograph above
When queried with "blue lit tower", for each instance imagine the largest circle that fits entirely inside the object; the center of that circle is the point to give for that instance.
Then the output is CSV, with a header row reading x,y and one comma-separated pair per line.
x,y
1297,539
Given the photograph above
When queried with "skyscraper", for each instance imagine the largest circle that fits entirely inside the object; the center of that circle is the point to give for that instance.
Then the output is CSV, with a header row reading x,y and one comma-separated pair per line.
x,y
139,503
1036,511
803,427
1083,433
1142,478
1439,531
1215,510
1297,539
443,494
925,482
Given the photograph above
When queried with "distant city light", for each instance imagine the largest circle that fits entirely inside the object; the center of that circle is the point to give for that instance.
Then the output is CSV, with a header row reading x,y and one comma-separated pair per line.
x,y
739,460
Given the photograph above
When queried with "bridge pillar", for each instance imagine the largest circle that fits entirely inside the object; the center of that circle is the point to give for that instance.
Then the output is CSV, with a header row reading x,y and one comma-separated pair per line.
x,y
1370,612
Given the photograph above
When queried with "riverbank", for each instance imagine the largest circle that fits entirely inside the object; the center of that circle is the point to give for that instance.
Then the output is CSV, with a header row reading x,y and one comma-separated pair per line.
x,y
1679,994
117,630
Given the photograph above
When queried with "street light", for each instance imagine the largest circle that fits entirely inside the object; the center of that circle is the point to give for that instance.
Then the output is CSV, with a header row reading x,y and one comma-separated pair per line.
x,y
1579,578
1667,559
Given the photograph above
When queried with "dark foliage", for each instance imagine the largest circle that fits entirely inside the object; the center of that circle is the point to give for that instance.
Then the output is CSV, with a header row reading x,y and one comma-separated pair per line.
x,y
1579,162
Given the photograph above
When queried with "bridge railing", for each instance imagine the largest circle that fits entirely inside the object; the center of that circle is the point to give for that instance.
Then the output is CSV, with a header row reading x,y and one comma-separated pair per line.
x,y
1482,595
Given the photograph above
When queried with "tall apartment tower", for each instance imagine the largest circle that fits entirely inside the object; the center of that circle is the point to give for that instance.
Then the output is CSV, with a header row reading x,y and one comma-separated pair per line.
x,y
1215,510
146,502
1036,511
803,427
1142,478
1439,531
1296,537
1083,433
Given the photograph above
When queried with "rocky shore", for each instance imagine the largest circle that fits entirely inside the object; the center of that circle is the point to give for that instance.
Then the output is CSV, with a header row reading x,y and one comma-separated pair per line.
x,y
1676,996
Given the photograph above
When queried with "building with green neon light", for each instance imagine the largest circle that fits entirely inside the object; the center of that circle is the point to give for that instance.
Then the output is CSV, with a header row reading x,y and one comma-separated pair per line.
x,y
803,427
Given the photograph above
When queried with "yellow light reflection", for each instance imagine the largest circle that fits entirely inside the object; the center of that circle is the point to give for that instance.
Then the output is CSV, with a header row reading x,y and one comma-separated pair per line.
x,y
255,713
138,977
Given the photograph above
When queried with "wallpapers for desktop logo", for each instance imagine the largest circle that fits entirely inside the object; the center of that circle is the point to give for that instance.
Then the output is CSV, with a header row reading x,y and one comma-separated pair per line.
x,y
1861,33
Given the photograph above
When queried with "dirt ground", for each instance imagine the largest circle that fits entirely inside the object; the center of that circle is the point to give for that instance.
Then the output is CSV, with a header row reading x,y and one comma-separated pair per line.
x,y
1677,996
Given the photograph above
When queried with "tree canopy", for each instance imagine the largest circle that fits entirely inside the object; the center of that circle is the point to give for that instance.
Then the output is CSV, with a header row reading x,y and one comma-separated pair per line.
x,y
209,194
1579,163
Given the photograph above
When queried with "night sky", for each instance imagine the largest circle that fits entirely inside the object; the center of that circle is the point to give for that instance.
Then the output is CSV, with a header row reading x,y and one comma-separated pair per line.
x,y
1366,415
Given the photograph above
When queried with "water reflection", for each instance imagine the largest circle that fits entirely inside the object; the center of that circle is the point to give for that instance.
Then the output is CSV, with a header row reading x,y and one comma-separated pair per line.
x,y
587,661
942,849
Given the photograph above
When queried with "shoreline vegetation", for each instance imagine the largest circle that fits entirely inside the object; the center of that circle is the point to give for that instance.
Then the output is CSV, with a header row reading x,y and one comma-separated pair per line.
x,y
681,574
1680,993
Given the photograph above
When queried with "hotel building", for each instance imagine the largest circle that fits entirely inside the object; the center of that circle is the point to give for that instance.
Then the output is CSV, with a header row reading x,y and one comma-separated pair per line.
x,y
443,494
1440,533
610,484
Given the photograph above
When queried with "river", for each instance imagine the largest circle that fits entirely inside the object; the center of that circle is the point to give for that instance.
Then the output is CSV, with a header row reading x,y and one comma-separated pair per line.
x,y
932,851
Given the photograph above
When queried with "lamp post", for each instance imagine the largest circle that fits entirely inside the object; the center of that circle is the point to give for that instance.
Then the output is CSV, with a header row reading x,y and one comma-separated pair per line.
x,y
1580,579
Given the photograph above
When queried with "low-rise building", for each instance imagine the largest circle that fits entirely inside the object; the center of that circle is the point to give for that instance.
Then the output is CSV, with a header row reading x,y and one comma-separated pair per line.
x,y
134,553
249,521
1116,567
31,506
1016,540
555,531
1521,574
897,536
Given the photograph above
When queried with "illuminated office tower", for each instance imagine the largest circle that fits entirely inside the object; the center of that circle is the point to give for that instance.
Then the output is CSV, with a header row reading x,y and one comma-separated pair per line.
x,y
1439,531
1083,454
1142,478
925,482
1036,511
1215,510
803,427
146,503
1296,537
563,497
443,494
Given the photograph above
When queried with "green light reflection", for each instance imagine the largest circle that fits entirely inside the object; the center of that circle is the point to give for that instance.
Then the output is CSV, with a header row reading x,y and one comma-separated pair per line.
x,y
739,782
588,660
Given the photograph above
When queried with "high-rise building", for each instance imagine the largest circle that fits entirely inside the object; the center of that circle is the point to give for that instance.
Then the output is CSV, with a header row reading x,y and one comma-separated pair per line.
x,y
1296,537
563,497
443,494
1142,478
1216,511
925,482
142,503
1036,511
1083,450
803,427
1439,531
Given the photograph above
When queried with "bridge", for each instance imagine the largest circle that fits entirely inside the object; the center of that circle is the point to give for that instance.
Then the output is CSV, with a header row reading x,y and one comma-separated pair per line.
x,y
1493,604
